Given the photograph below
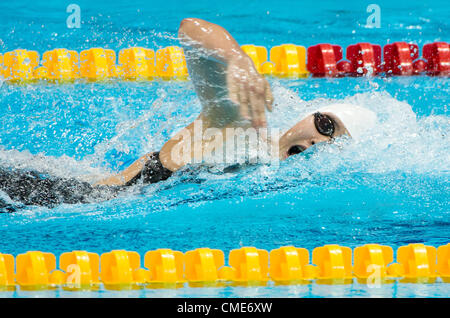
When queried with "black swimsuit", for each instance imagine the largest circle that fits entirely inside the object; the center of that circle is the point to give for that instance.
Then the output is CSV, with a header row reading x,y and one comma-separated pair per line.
x,y
32,188
152,172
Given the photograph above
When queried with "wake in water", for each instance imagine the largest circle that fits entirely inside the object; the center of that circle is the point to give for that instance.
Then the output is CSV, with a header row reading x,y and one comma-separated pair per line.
x,y
400,143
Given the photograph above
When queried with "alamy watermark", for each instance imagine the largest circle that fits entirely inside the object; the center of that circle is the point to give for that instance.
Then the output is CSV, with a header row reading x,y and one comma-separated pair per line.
x,y
226,145
373,20
73,21
374,279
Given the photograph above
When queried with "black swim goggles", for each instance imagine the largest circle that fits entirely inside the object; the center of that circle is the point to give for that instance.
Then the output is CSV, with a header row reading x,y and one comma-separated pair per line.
x,y
324,125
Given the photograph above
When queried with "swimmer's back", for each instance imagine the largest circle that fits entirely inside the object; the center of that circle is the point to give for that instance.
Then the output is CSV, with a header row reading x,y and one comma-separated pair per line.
x,y
33,188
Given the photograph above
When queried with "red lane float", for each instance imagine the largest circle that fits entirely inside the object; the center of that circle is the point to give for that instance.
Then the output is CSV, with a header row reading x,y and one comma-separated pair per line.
x,y
365,59
420,66
399,58
322,60
438,56
344,67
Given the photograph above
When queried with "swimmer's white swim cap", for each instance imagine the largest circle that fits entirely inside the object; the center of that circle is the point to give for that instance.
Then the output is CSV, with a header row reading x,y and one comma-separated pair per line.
x,y
356,119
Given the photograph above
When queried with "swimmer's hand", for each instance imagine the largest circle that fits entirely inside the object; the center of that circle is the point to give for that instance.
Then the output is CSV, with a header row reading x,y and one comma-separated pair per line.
x,y
249,90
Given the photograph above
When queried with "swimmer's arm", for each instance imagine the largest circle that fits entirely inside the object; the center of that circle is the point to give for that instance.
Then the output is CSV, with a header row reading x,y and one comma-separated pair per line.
x,y
210,40
126,175
211,50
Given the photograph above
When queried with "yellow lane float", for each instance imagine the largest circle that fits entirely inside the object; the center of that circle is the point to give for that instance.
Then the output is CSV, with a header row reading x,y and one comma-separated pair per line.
x,y
416,263
289,61
166,267
33,270
202,265
7,272
171,63
290,264
137,63
81,268
371,263
250,266
60,64
334,264
258,54
19,65
97,64
247,266
120,270
443,262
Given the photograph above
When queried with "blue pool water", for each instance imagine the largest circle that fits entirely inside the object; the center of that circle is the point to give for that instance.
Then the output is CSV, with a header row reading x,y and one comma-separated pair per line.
x,y
391,188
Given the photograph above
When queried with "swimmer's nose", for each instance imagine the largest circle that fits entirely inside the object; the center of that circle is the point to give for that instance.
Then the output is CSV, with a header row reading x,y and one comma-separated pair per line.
x,y
294,150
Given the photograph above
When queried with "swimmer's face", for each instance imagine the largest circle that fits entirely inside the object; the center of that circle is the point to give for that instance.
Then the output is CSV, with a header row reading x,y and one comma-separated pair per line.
x,y
316,128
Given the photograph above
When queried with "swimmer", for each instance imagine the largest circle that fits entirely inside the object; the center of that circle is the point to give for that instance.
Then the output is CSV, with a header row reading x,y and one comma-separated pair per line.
x,y
232,94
